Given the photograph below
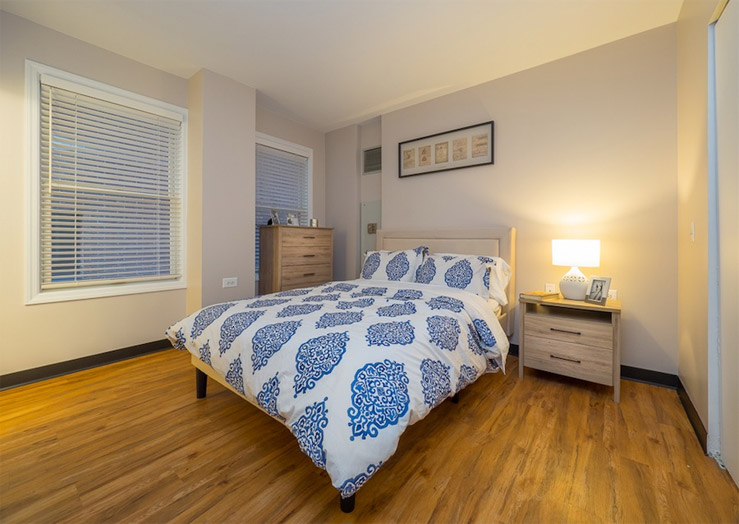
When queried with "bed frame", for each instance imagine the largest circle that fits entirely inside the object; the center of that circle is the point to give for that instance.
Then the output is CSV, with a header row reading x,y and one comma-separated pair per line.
x,y
496,241
489,241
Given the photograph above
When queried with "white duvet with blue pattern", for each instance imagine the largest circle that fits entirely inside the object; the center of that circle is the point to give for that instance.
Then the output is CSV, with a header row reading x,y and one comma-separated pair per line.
x,y
347,366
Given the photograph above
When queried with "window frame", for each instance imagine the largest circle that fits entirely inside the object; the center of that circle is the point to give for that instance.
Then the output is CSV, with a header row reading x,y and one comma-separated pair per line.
x,y
86,86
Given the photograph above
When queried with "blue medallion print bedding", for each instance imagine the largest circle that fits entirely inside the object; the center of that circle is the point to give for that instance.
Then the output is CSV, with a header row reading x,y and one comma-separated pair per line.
x,y
394,266
348,366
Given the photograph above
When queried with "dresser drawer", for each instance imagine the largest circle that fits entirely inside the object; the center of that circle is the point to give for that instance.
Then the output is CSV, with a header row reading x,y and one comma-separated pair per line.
x,y
574,330
305,255
570,359
305,237
304,276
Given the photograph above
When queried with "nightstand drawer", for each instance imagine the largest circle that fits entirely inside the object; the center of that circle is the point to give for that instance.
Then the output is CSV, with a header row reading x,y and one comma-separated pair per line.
x,y
574,330
573,360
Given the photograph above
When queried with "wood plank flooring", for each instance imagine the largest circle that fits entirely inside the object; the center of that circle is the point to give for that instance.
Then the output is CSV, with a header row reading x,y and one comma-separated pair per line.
x,y
129,442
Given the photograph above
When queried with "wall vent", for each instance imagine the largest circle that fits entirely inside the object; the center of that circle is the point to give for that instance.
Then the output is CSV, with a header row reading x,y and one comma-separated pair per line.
x,y
372,160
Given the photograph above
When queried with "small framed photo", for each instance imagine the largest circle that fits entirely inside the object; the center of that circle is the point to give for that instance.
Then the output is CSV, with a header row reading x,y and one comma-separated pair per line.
x,y
598,290
274,217
292,219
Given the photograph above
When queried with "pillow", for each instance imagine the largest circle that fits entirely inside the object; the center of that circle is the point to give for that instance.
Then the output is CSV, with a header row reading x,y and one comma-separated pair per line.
x,y
465,272
500,276
398,266
485,276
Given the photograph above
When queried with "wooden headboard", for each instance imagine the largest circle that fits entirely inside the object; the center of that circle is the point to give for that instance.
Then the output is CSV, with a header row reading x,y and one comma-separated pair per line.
x,y
497,241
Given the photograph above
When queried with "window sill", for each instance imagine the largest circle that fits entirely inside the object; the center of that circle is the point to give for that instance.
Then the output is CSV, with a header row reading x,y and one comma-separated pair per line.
x,y
68,295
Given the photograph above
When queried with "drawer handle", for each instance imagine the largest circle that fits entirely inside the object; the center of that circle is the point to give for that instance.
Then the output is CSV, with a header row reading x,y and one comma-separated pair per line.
x,y
308,256
309,274
564,358
565,331
309,237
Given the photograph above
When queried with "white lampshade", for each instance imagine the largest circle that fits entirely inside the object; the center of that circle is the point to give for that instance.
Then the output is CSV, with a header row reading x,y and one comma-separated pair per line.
x,y
576,252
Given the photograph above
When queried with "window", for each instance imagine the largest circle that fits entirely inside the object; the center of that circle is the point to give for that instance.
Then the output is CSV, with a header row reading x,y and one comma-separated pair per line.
x,y
283,183
107,189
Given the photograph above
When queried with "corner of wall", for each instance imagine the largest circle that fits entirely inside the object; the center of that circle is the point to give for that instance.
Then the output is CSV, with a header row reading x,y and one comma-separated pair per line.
x,y
342,198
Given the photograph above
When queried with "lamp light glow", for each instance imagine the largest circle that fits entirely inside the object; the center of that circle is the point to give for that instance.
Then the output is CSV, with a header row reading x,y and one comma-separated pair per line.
x,y
575,253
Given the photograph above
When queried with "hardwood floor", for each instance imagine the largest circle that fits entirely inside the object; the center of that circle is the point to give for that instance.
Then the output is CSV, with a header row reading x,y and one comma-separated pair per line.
x,y
129,442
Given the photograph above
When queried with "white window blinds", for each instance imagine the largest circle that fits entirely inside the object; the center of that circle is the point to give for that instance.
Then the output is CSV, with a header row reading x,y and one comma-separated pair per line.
x,y
283,184
111,188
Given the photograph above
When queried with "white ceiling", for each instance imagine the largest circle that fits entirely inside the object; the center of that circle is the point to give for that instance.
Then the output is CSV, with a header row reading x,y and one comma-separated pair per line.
x,y
330,63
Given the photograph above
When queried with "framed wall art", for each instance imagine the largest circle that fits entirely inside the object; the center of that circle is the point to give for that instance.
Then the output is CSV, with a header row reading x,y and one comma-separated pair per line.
x,y
464,147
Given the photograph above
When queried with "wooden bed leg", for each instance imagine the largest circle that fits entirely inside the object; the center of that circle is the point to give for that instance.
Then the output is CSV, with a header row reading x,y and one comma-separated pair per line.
x,y
455,398
201,383
347,504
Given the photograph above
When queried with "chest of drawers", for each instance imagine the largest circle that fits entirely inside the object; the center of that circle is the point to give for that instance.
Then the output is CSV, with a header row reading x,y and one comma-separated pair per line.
x,y
292,257
572,338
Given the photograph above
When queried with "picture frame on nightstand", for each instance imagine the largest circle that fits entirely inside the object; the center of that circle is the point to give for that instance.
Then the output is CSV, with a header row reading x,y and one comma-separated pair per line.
x,y
598,290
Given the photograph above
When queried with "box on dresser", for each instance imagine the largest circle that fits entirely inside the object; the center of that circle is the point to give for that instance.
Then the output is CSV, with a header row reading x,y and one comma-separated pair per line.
x,y
292,257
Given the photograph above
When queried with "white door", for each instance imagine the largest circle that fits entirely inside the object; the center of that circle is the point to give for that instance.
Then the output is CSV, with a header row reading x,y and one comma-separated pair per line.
x,y
726,45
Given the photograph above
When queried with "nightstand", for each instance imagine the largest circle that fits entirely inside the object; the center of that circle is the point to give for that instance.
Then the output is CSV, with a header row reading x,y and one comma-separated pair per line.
x,y
572,338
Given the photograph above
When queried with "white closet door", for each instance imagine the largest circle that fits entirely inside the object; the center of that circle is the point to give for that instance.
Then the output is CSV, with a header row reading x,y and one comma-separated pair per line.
x,y
727,149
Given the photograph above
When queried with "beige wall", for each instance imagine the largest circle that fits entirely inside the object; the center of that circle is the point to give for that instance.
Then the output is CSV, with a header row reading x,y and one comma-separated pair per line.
x,y
273,124
47,333
221,120
228,187
585,147
692,204
342,199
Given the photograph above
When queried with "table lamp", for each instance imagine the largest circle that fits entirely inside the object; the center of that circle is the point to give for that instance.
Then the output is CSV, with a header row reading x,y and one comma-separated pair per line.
x,y
575,253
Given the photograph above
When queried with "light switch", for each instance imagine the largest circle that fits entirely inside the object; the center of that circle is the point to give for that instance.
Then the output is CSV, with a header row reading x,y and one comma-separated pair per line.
x,y
372,228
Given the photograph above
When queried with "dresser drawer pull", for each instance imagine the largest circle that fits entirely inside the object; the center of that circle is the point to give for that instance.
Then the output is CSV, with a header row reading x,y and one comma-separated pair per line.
x,y
565,331
309,237
309,274
567,359
308,256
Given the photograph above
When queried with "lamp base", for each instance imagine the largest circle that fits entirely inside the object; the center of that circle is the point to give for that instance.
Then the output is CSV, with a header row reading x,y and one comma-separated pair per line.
x,y
574,285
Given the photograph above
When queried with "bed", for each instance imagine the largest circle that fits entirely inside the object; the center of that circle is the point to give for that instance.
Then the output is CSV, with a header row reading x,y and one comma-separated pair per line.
x,y
347,366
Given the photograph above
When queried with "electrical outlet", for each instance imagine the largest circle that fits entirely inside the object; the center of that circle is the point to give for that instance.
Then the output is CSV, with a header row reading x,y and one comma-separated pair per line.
x,y
612,294
549,288
231,282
